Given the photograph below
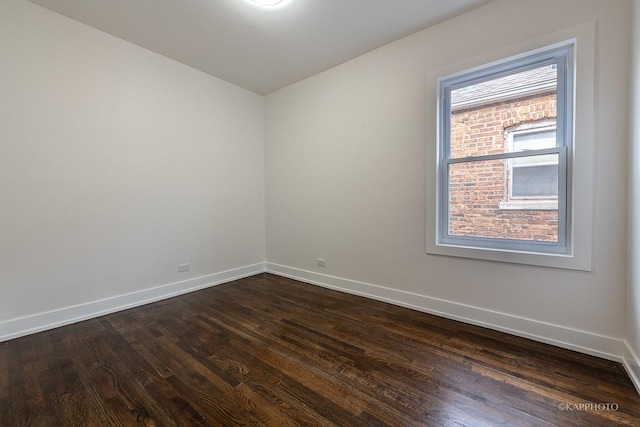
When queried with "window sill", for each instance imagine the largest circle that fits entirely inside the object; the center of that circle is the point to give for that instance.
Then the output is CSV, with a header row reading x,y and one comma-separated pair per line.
x,y
564,261
533,205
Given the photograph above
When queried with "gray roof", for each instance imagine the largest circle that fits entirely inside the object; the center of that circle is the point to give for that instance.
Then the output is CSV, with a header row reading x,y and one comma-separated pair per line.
x,y
536,80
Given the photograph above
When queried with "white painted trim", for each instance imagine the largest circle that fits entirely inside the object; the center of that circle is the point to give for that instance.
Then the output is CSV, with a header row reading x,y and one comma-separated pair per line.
x,y
18,327
631,363
573,339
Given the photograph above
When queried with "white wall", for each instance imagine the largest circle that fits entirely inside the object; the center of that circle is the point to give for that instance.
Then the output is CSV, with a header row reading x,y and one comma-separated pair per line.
x,y
345,164
633,299
116,165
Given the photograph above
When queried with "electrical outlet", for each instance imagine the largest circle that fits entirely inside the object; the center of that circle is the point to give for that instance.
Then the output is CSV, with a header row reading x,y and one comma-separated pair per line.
x,y
183,267
321,262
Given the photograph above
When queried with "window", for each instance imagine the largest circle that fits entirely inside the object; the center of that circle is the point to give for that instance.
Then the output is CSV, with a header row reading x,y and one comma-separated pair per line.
x,y
504,150
471,212
530,177
531,184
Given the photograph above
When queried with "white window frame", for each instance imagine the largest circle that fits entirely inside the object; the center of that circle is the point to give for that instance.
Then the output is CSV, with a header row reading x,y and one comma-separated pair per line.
x,y
578,254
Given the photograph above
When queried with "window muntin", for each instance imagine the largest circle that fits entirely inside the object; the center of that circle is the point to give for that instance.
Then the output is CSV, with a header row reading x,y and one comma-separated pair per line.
x,y
531,170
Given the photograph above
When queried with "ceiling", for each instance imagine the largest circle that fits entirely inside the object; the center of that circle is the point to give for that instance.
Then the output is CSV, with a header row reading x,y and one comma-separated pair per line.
x,y
259,48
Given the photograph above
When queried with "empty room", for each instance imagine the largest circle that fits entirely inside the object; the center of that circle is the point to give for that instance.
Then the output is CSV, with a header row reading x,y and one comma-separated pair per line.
x,y
319,212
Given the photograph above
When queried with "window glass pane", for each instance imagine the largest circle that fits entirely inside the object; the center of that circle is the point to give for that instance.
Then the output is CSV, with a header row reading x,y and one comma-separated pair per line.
x,y
547,158
536,140
535,181
476,190
482,112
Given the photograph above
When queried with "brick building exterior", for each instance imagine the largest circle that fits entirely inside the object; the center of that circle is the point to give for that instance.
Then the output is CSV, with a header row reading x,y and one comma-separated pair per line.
x,y
479,191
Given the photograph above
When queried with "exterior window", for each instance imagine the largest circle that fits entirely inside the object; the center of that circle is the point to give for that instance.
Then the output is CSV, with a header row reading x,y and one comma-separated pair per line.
x,y
503,155
530,177
531,183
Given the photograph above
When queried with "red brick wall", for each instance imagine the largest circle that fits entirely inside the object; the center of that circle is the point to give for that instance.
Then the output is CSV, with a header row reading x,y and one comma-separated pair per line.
x,y
476,189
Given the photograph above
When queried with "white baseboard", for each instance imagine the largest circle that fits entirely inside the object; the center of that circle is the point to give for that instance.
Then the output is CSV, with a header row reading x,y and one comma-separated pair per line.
x,y
631,363
560,336
573,339
15,328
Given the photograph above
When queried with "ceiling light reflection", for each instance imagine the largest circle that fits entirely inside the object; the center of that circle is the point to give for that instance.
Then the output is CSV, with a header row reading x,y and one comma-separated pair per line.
x,y
267,2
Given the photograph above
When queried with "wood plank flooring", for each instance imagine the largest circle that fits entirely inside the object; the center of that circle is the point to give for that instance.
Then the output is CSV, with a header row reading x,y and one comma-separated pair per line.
x,y
272,351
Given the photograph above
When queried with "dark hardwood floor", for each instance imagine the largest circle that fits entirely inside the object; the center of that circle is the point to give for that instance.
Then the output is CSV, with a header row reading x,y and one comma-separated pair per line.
x,y
271,351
